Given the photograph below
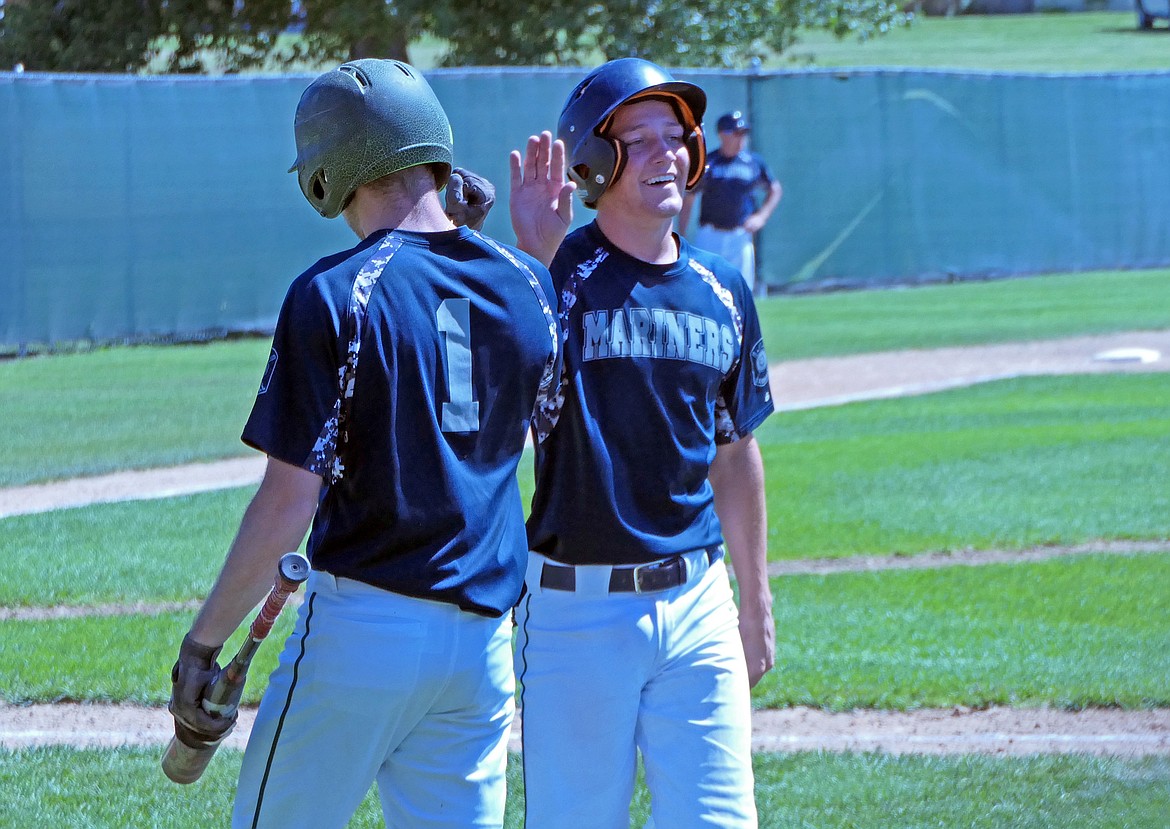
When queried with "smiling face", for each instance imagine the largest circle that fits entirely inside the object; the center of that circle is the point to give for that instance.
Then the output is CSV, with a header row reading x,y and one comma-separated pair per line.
x,y
653,178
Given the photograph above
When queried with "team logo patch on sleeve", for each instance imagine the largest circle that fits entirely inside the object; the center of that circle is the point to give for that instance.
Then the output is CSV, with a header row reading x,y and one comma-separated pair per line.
x,y
759,364
268,372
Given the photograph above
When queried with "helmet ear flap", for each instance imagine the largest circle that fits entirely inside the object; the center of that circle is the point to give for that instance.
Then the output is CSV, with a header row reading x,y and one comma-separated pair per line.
x,y
697,148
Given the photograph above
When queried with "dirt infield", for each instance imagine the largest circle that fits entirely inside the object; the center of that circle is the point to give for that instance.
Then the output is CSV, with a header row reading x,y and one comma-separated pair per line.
x,y
798,385
827,381
1001,731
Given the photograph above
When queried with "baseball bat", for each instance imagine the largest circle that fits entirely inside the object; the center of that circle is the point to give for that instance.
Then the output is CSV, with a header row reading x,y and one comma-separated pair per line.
x,y
183,763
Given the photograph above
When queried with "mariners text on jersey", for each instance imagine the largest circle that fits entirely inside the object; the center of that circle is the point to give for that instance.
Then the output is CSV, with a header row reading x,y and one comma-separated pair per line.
x,y
659,333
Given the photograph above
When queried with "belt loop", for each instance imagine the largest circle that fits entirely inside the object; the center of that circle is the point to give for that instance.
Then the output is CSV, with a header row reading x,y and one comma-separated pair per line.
x,y
593,579
532,574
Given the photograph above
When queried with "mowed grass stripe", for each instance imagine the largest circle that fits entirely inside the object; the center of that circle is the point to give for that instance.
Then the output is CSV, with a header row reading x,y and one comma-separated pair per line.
x,y
1005,465
966,313
1008,465
151,406
126,408
777,569
112,658
1099,41
1068,633
1086,631
163,550
957,558
53,788
820,566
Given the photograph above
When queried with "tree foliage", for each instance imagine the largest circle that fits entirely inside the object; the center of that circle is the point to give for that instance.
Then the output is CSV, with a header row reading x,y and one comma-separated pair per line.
x,y
710,33
78,36
234,35
347,29
239,35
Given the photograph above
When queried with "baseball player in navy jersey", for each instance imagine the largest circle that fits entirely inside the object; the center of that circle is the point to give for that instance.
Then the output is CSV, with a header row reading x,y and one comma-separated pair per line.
x,y
403,377
729,213
646,472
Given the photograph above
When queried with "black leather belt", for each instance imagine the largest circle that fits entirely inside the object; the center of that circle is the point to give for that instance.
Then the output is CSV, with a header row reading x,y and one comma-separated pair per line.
x,y
635,578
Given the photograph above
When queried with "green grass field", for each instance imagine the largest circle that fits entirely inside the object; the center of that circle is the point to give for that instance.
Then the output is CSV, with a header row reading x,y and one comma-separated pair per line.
x,y
126,408
1077,633
56,788
1009,464
1052,42
163,550
967,313
1043,42
132,408
1083,632
1006,465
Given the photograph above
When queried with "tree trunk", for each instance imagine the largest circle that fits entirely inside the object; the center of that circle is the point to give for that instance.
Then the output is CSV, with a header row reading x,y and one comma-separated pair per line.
x,y
382,45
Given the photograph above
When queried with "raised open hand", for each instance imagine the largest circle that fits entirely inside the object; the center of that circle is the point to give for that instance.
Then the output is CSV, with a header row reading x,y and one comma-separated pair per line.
x,y
541,200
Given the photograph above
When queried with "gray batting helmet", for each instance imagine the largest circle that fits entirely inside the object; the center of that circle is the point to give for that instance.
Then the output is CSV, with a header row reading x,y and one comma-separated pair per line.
x,y
366,119
595,159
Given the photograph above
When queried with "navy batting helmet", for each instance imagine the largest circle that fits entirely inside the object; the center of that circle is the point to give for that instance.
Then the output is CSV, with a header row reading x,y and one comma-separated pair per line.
x,y
733,122
595,159
366,119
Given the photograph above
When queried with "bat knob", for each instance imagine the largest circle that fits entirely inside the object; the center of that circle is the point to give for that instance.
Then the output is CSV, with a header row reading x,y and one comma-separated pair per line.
x,y
294,567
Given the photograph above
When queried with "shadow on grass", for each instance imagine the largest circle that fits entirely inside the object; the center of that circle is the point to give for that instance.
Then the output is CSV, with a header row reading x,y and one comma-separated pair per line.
x,y
1160,28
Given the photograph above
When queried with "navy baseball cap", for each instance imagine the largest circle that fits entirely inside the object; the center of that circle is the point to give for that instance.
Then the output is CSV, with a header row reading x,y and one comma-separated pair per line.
x,y
733,122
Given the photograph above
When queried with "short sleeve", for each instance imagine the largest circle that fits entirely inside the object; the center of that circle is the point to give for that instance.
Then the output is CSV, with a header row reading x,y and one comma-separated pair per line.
x,y
766,178
745,396
299,394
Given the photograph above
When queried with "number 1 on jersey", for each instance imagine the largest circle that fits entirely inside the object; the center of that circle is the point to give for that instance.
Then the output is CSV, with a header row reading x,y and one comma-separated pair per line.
x,y
460,411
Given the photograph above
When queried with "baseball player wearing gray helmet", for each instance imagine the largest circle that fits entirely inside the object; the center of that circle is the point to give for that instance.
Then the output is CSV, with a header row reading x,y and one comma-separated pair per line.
x,y
629,639
393,411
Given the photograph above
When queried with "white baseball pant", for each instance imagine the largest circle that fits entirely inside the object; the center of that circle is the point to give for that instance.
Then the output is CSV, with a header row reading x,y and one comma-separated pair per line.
x,y
372,685
604,675
736,246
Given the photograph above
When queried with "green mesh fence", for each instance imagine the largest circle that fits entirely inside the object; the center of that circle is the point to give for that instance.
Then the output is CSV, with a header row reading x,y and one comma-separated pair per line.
x,y
139,208
902,175
148,208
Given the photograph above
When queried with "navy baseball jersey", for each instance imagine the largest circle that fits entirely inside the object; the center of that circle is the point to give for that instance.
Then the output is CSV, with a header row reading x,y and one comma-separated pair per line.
x,y
662,363
406,372
728,188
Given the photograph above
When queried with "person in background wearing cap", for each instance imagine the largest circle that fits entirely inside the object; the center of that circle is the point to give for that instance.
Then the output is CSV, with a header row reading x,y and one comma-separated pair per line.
x,y
729,216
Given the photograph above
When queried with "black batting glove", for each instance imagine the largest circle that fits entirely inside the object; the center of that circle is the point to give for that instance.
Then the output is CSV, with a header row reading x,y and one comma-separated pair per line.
x,y
469,198
190,678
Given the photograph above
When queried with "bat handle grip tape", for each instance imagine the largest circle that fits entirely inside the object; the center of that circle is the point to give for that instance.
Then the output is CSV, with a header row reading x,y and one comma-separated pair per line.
x,y
262,624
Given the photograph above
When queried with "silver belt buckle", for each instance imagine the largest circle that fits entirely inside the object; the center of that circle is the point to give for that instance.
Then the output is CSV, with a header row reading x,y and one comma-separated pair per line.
x,y
638,570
